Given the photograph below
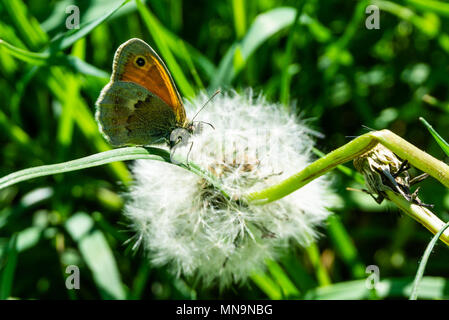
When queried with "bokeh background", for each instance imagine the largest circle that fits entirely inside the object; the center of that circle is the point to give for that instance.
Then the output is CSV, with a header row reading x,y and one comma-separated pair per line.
x,y
316,58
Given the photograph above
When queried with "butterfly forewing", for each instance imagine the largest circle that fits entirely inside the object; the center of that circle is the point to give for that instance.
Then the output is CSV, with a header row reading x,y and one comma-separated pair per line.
x,y
135,61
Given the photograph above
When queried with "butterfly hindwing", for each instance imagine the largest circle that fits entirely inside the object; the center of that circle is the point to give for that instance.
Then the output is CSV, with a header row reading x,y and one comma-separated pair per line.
x,y
129,114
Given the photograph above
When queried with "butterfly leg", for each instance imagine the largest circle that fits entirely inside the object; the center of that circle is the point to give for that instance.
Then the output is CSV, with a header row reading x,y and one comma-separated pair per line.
x,y
411,197
379,199
188,154
396,186
404,167
419,178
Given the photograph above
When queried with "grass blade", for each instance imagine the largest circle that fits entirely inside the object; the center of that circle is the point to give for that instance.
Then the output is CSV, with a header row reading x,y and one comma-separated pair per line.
x,y
7,274
68,38
85,121
37,58
44,58
439,7
286,75
344,246
267,285
121,154
423,263
430,288
27,25
97,254
289,290
153,27
184,51
441,142
297,272
321,273
264,27
238,9
424,24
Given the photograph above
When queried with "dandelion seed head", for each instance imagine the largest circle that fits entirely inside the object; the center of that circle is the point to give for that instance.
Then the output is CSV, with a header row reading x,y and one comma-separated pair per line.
x,y
190,226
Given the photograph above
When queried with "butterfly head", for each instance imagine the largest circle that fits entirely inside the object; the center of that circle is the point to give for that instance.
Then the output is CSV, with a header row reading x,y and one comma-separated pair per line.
x,y
180,137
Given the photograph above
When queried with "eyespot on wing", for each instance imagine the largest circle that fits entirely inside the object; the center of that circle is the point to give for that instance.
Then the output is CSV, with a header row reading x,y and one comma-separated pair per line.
x,y
135,61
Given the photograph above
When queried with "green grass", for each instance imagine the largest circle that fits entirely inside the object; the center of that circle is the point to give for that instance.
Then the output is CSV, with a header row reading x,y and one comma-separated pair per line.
x,y
314,57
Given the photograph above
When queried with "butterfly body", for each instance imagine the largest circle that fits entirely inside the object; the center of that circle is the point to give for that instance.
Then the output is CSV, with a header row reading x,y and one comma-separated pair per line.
x,y
140,105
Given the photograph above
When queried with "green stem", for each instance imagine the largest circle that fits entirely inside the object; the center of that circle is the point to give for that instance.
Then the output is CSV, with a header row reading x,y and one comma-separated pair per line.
x,y
355,148
418,158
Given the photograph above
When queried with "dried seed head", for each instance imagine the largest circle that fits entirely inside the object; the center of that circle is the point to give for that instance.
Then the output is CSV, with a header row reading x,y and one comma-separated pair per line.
x,y
190,226
373,164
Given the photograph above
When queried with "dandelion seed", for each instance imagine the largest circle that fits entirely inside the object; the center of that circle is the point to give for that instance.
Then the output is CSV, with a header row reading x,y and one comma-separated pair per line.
x,y
190,226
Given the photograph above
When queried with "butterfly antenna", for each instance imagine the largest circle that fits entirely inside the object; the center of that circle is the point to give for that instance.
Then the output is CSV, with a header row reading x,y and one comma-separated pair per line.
x,y
209,100
210,124
188,154
368,128
364,127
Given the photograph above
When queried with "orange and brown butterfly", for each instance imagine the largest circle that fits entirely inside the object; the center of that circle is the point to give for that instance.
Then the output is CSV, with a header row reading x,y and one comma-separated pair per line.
x,y
140,105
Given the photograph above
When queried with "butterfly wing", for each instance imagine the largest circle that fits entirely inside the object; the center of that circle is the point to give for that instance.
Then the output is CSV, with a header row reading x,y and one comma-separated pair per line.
x,y
129,114
135,61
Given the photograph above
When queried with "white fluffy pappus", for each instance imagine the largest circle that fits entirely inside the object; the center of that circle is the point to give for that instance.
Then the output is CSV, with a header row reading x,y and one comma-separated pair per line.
x,y
185,223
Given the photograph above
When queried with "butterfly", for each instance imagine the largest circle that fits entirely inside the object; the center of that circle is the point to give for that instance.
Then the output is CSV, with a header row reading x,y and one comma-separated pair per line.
x,y
141,105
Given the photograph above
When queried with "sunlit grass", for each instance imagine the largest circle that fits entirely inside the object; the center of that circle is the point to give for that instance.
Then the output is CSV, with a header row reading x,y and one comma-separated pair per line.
x,y
319,61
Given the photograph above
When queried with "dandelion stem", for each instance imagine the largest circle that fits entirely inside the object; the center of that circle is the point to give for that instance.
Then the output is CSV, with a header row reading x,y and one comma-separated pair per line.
x,y
350,151
407,151
421,214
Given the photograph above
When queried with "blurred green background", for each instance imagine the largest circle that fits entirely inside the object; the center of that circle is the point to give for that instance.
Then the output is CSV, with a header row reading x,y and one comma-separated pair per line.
x,y
315,57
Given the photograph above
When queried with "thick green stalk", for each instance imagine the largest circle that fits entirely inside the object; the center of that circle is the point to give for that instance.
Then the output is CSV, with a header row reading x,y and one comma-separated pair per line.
x,y
418,158
421,214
